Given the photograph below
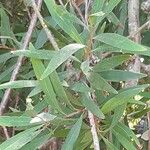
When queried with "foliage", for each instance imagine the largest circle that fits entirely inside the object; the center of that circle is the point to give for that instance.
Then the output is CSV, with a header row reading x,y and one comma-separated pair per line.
x,y
56,89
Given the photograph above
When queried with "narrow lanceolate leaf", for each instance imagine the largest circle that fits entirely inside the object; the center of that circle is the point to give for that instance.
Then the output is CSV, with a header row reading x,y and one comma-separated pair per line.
x,y
58,88
81,87
19,84
129,132
61,56
91,106
97,5
119,41
100,83
109,145
39,54
73,135
45,84
5,57
113,18
11,121
120,75
118,113
19,140
41,39
5,26
61,18
38,141
35,91
110,63
6,72
121,98
107,10
125,142
108,48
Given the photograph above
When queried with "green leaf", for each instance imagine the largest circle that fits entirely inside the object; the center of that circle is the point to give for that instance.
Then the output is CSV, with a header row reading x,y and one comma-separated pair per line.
x,y
58,88
129,132
56,32
122,98
19,84
100,83
123,10
5,26
110,63
145,94
40,106
91,106
11,121
127,144
45,84
119,41
6,72
5,57
113,18
109,145
137,102
35,91
107,48
38,54
41,39
19,140
85,67
84,140
61,56
81,87
38,141
97,5
61,16
106,10
139,114
118,113
120,75
73,135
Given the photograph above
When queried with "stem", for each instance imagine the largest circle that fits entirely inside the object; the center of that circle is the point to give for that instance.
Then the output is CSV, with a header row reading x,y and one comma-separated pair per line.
x,y
26,41
47,31
145,25
78,10
93,130
148,122
61,3
86,11
6,133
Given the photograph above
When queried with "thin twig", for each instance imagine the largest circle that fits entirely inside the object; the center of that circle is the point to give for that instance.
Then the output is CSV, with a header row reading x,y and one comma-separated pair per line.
x,y
78,10
79,2
20,59
74,113
145,25
86,11
61,3
7,48
93,130
47,31
6,133
148,121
